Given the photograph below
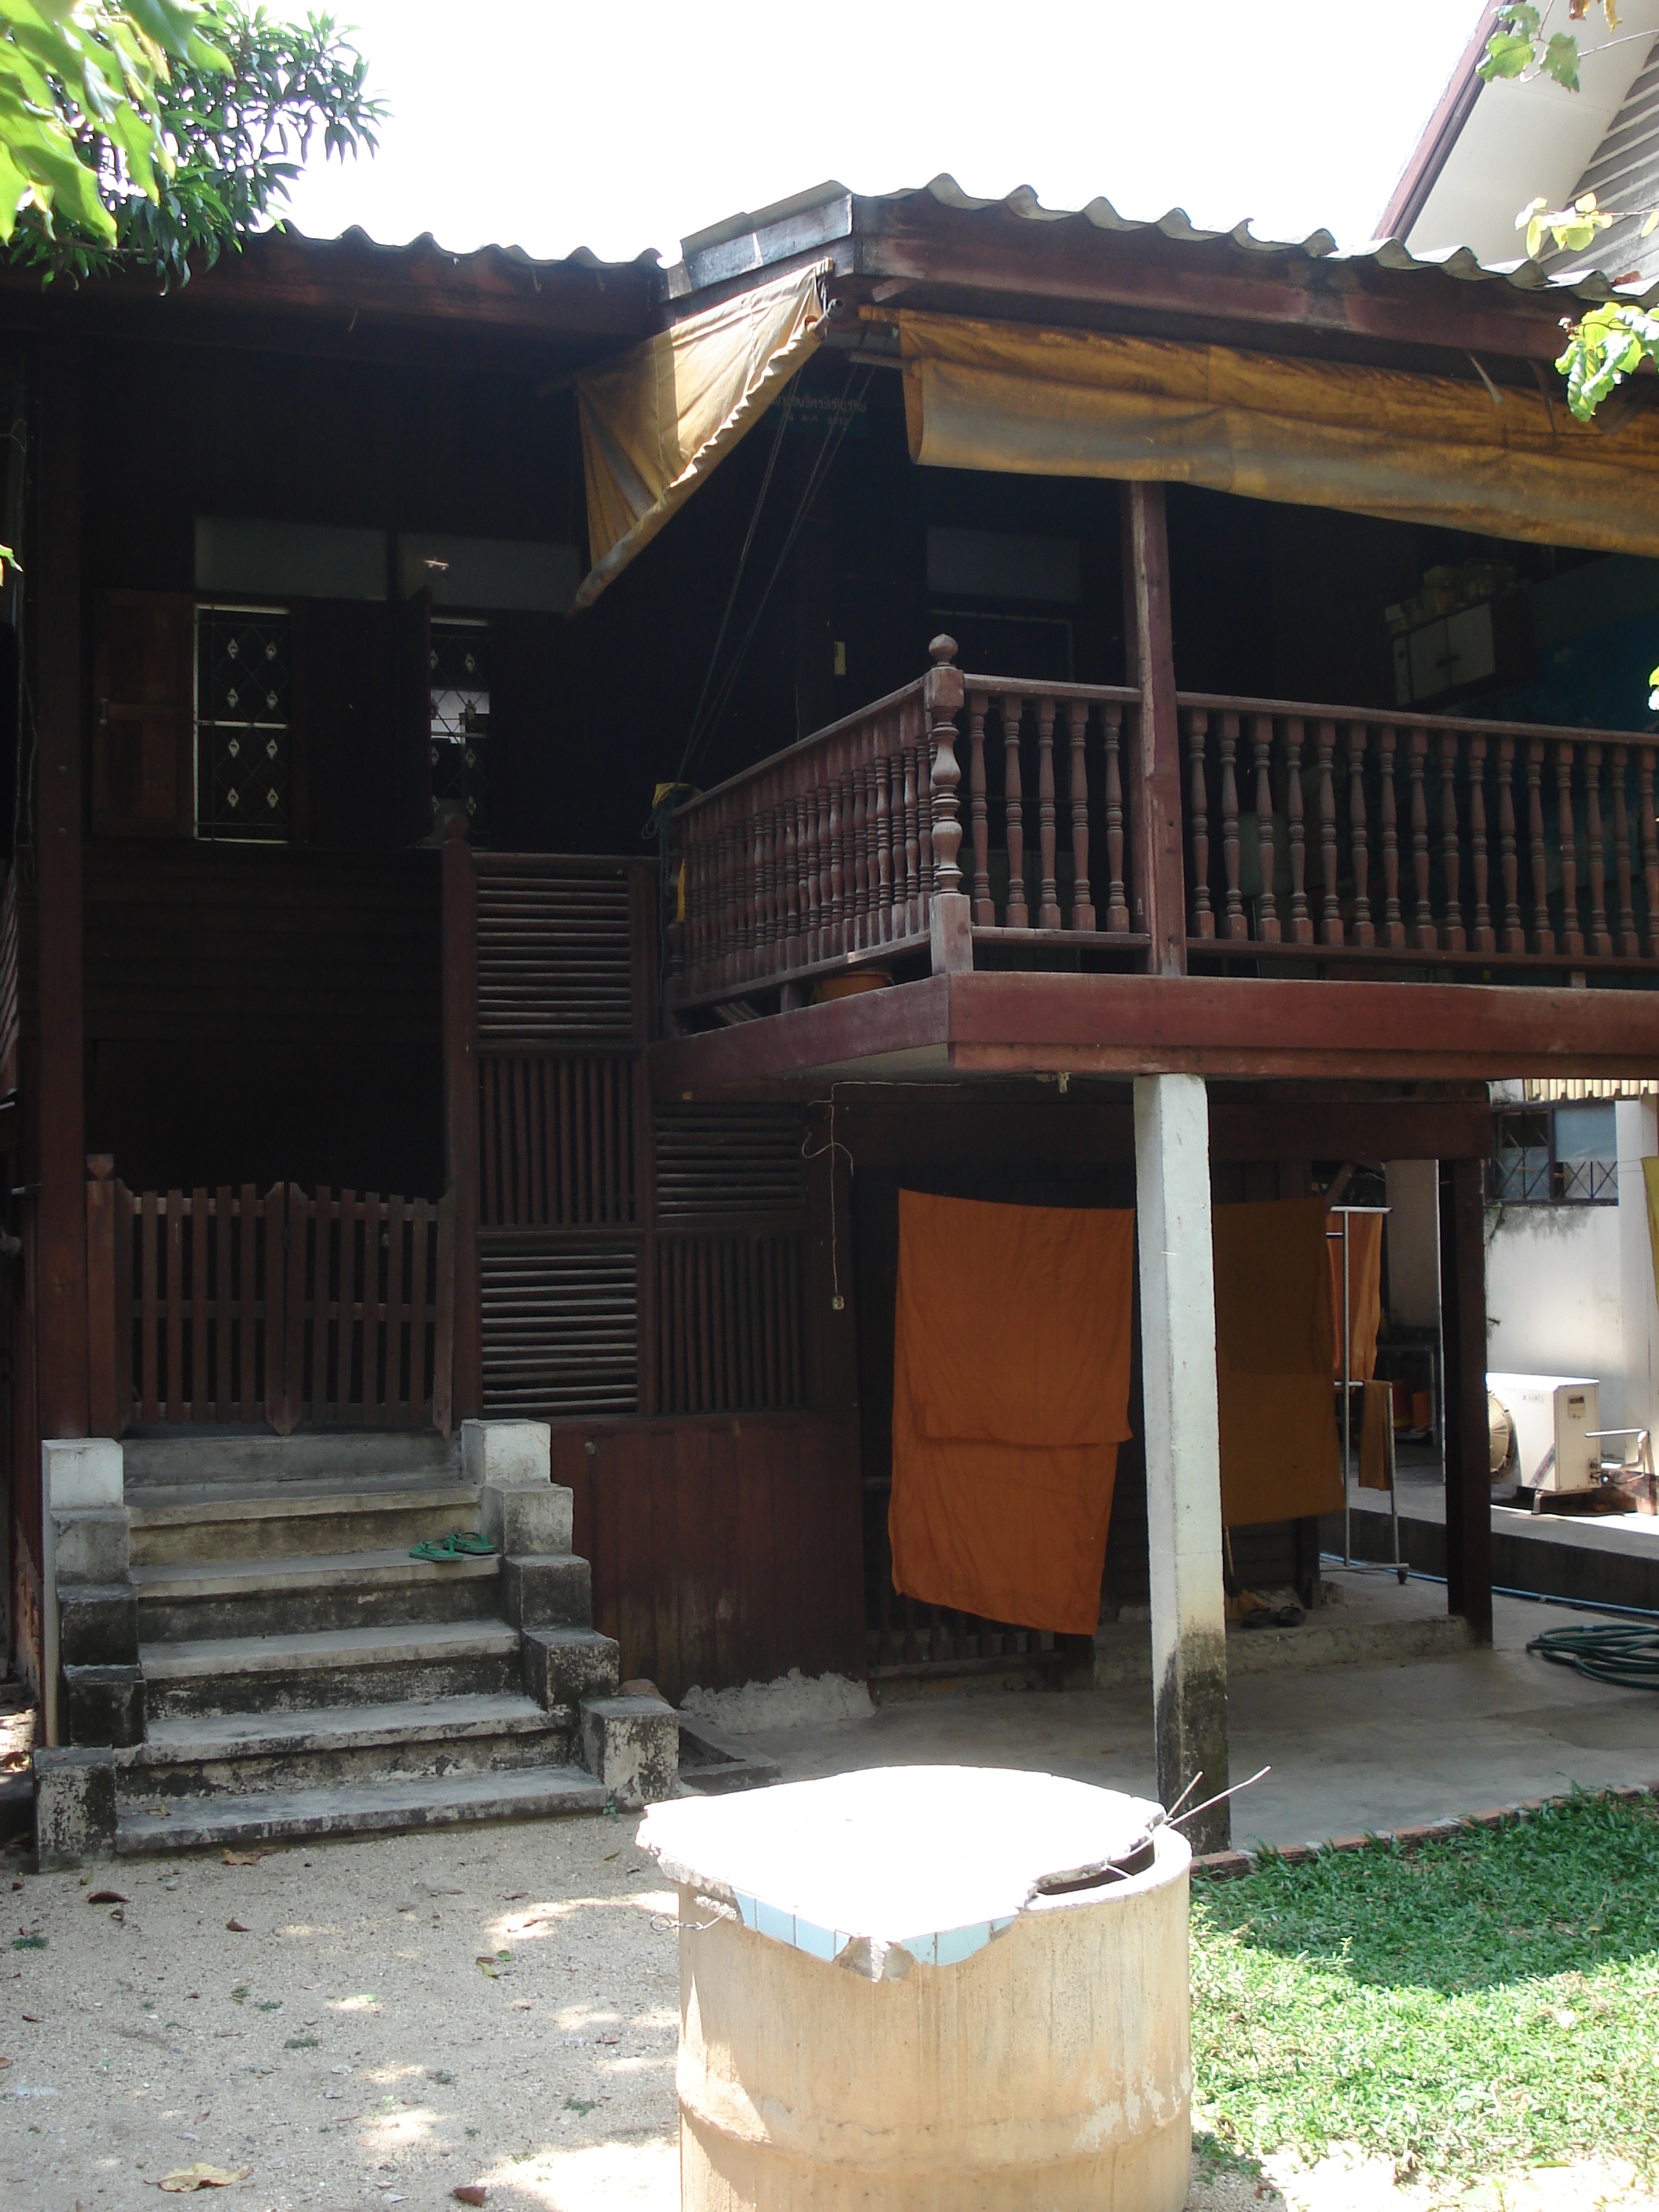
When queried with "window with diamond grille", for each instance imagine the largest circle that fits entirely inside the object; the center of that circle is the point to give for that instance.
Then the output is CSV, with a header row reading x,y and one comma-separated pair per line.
x,y
243,750
460,723
1565,1155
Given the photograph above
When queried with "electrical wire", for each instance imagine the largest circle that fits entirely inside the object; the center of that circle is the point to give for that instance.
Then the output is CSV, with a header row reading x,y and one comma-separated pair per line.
x,y
1622,1651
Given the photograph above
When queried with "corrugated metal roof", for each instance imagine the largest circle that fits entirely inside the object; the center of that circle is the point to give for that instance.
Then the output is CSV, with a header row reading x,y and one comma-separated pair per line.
x,y
1625,176
830,210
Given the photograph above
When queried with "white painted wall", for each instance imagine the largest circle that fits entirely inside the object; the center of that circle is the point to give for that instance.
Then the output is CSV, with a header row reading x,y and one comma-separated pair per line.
x,y
1554,1302
1638,1122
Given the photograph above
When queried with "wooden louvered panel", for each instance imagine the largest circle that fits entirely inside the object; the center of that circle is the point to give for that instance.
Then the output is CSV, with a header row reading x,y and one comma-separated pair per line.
x,y
719,1160
729,1323
561,1327
556,1141
555,951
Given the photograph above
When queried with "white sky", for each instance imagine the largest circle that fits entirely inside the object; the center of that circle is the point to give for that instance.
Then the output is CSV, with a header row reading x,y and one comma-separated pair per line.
x,y
552,126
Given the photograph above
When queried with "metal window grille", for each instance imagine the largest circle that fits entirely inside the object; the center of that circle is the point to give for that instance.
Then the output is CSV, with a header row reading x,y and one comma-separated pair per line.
x,y
1555,1156
243,713
460,723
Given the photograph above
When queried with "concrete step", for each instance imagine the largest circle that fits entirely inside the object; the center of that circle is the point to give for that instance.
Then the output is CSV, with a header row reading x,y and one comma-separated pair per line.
x,y
338,1456
387,1665
177,1521
276,1597
354,1809
245,1752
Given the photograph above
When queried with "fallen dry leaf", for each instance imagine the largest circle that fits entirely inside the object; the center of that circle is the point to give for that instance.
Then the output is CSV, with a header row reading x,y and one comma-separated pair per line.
x,y
241,1858
106,1896
471,2192
238,1927
202,2175
33,2018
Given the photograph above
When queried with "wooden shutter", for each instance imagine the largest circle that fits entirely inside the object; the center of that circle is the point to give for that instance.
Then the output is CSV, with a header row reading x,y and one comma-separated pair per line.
x,y
143,742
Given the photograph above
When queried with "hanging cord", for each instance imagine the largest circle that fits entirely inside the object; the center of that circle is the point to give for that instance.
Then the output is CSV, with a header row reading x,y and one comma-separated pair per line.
x,y
702,731
830,1148
785,412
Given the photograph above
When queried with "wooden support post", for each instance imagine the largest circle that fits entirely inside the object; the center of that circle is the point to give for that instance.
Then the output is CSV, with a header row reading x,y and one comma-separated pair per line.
x,y
1463,1349
950,912
102,1397
1181,1426
60,1111
460,1019
1159,897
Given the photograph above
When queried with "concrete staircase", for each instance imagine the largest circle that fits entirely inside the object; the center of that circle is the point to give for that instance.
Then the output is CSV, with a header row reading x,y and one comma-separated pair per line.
x,y
304,1676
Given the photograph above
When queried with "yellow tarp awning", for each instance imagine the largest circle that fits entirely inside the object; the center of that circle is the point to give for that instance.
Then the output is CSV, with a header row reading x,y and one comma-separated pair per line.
x,y
983,395
657,422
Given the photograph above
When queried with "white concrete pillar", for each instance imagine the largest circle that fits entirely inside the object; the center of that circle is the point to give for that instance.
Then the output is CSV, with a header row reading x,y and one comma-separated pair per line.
x,y
1183,1448
1636,1123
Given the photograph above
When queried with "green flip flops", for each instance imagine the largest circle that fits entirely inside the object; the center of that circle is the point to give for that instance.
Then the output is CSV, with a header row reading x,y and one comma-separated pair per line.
x,y
459,1544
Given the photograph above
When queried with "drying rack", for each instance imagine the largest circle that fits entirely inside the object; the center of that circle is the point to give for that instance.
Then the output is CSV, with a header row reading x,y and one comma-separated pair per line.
x,y
1344,1213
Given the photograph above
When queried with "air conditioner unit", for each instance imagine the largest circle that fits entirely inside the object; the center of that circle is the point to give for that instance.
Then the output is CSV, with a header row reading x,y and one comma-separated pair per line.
x,y
1555,1419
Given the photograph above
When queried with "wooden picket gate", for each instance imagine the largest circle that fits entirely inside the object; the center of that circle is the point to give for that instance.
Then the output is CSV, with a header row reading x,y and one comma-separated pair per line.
x,y
231,1305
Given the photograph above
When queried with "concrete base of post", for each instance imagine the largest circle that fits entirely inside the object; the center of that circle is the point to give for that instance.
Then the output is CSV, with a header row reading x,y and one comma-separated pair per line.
x,y
632,1744
74,1806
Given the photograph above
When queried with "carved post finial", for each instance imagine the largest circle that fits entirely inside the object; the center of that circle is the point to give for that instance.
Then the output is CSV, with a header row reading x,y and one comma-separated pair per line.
x,y
943,649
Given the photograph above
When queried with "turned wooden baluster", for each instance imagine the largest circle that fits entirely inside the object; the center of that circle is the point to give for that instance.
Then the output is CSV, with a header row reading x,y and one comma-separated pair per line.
x,y
1629,943
1393,929
727,881
766,919
1330,927
837,862
1364,929
1543,937
1302,928
1266,911
1425,935
887,926
1197,810
789,872
860,846
1015,915
1486,937
809,861
1650,847
828,834
1572,934
912,823
1083,910
1117,905
1236,922
1453,937
1601,937
979,824
925,815
1509,857
1048,893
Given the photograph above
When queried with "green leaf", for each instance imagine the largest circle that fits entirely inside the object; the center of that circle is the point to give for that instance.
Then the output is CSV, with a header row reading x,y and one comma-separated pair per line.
x,y
1507,54
1559,60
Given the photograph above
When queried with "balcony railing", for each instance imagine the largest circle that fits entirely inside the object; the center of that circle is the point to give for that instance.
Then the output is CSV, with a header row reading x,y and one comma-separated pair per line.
x,y
1352,840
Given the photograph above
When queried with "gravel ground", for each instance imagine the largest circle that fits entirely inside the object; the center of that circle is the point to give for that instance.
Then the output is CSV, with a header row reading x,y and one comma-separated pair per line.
x,y
344,2043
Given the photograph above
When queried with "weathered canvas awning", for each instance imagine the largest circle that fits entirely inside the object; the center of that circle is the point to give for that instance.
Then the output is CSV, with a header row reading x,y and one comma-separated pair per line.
x,y
657,422
983,395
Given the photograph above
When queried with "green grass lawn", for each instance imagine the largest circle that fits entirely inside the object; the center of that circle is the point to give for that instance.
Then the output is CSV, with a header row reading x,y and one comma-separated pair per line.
x,y
1486,2002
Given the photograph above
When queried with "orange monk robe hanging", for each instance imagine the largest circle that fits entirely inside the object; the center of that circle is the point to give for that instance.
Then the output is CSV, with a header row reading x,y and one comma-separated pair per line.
x,y
1011,1395
1364,1292
1273,1354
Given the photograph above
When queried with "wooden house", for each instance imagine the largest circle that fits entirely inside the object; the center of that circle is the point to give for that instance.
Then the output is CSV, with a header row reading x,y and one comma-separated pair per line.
x,y
1087,662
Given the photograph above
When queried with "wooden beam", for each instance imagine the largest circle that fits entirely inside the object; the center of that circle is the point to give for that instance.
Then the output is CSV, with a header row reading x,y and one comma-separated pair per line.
x,y
1158,890
1234,1027
1001,264
60,1214
460,1019
1463,1341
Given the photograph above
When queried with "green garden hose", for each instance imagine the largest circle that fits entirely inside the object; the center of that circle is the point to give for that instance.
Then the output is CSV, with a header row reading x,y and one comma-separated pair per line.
x,y
1617,1651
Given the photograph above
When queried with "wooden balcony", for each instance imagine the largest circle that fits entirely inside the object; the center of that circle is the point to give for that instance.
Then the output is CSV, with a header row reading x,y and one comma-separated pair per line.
x,y
1225,893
